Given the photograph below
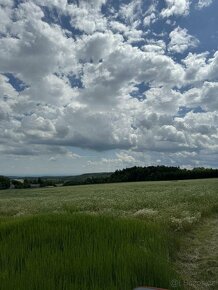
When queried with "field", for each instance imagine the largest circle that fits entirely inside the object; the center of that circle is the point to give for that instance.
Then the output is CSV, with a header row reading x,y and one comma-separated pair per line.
x,y
111,236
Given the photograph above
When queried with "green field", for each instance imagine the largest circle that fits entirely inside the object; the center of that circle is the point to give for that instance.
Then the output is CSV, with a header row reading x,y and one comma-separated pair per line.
x,y
96,237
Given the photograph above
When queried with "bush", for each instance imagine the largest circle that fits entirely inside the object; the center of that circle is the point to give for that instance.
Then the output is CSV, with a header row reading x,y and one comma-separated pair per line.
x,y
4,182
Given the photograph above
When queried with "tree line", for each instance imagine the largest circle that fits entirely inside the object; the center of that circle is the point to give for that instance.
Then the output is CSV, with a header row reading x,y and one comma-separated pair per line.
x,y
6,183
150,173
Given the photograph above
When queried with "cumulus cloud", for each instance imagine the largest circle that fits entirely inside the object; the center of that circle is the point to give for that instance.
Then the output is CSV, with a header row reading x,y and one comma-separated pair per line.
x,y
204,96
130,11
163,100
150,16
34,48
201,130
200,67
204,3
97,46
176,7
104,81
130,32
180,40
157,46
149,19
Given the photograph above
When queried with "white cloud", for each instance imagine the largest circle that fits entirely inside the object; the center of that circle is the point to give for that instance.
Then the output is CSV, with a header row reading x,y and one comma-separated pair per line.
x,y
97,4
211,70
86,16
180,40
204,3
63,4
151,14
131,11
163,100
37,126
52,3
200,67
123,159
176,7
131,33
97,46
51,89
7,98
5,17
98,89
201,130
205,96
35,44
194,64
157,46
105,82
149,19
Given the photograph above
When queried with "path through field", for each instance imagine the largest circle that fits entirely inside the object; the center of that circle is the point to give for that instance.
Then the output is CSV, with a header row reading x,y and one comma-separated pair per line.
x,y
198,258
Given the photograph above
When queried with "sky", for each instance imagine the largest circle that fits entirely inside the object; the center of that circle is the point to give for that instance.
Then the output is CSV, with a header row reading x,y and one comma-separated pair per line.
x,y
100,85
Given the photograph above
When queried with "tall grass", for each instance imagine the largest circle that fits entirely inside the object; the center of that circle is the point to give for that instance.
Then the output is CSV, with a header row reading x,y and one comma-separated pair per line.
x,y
181,200
82,252
72,250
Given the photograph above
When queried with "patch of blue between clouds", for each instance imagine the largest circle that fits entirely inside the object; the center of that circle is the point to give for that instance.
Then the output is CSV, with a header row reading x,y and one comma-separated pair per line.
x,y
203,24
184,110
16,3
75,81
17,84
52,16
139,91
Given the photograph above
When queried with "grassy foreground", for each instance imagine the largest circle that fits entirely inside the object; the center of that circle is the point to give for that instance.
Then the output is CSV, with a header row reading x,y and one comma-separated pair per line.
x,y
83,252
197,260
113,237
169,200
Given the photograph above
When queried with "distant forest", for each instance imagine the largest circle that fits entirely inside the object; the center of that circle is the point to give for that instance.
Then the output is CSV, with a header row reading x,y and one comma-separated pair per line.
x,y
150,173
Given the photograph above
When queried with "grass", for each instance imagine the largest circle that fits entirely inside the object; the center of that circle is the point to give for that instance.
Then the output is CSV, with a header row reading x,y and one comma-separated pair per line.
x,y
197,260
179,203
110,236
83,252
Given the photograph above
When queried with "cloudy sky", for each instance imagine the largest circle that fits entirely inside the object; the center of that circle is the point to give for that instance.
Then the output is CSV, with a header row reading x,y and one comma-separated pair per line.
x,y
96,85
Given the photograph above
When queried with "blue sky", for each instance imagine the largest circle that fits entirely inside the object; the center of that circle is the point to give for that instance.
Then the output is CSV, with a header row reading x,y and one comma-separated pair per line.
x,y
89,86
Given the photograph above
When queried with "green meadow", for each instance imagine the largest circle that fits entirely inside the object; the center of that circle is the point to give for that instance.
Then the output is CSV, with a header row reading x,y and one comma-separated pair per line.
x,y
96,237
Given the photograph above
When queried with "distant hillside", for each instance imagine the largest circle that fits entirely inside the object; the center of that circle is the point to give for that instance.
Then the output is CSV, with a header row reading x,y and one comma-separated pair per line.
x,y
150,173
86,178
45,181
132,174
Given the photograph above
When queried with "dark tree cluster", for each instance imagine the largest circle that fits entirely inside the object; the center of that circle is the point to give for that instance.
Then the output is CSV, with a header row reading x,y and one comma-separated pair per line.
x,y
155,173
90,180
150,173
45,182
18,184
31,182
4,182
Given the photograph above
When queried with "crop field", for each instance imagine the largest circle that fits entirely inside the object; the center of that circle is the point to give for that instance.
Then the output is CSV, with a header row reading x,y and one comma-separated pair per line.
x,y
103,237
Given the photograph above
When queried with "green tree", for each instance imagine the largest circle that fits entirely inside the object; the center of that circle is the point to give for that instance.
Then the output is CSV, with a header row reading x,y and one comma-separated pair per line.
x,y
4,182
